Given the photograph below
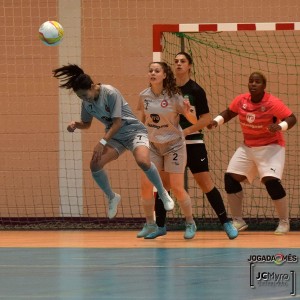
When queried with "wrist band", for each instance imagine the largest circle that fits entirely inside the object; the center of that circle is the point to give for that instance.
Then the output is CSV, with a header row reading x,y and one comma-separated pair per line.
x,y
284,125
103,142
219,119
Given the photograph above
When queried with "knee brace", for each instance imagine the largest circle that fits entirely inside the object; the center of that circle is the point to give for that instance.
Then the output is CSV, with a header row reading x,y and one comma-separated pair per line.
x,y
275,189
232,186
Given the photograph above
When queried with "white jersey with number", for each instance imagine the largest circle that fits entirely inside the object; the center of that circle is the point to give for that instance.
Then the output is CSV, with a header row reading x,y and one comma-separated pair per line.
x,y
162,116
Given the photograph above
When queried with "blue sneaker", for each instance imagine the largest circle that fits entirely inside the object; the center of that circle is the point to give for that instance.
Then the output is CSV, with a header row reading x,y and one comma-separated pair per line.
x,y
158,232
230,230
190,230
147,229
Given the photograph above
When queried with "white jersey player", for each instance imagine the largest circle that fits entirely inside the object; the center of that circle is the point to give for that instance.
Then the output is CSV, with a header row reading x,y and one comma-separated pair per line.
x,y
160,106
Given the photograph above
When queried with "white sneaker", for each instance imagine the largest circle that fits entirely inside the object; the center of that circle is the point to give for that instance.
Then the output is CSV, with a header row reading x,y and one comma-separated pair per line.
x,y
239,224
167,201
113,206
283,227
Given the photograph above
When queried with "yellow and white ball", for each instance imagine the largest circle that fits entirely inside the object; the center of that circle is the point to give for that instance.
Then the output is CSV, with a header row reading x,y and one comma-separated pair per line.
x,y
51,33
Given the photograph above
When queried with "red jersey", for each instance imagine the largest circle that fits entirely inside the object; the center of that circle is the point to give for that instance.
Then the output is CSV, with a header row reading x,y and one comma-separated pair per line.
x,y
255,118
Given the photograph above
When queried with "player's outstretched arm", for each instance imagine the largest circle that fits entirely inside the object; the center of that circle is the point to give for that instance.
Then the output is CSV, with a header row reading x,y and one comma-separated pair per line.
x,y
223,117
116,125
78,125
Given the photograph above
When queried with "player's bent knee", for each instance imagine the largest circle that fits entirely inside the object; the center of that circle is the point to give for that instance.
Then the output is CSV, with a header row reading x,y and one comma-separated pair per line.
x,y
144,165
232,186
95,167
92,167
275,189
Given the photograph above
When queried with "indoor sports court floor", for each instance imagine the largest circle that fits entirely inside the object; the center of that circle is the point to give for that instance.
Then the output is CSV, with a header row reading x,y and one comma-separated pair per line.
x,y
116,265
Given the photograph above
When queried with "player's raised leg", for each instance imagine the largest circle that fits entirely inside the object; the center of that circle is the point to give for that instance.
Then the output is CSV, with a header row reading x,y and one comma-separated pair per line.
x,y
101,178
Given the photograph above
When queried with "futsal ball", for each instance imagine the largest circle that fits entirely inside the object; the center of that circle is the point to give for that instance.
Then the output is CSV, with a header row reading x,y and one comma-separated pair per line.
x,y
51,33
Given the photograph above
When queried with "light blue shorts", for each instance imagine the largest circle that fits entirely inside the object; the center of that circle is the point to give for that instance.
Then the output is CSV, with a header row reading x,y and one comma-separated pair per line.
x,y
132,140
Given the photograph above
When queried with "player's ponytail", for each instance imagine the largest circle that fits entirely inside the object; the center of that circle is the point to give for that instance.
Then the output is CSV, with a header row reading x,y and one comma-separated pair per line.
x,y
73,77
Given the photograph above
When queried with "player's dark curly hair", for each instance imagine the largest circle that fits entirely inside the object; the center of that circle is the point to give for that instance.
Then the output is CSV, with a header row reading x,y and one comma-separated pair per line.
x,y
73,77
169,83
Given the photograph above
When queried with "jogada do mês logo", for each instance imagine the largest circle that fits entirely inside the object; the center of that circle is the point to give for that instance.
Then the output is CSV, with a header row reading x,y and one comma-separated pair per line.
x,y
273,276
277,259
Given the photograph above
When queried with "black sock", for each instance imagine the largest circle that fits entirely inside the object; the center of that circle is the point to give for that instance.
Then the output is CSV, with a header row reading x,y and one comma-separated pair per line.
x,y
215,199
160,212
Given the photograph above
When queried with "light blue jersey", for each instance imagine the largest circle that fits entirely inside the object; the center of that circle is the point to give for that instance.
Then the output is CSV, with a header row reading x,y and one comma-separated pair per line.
x,y
111,104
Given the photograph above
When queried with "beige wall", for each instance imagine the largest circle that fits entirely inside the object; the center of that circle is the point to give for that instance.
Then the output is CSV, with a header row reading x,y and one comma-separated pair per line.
x,y
116,47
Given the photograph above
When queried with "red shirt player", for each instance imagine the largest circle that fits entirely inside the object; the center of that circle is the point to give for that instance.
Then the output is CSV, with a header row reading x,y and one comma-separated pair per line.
x,y
263,118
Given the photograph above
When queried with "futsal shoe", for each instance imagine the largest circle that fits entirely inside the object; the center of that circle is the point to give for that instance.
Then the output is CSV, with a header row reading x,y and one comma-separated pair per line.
x,y
160,231
190,230
283,227
167,201
230,230
147,229
113,206
240,224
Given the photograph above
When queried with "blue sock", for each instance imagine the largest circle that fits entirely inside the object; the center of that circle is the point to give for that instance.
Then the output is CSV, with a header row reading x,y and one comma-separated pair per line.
x,y
102,180
153,176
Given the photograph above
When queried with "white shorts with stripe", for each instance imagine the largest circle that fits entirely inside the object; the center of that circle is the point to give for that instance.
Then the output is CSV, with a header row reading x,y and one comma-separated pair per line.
x,y
258,161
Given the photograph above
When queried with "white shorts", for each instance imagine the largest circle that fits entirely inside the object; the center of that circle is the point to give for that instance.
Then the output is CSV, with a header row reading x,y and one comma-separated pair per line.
x,y
170,157
258,161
